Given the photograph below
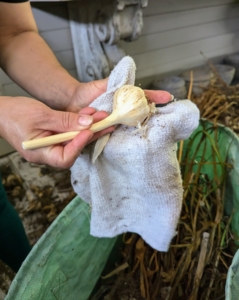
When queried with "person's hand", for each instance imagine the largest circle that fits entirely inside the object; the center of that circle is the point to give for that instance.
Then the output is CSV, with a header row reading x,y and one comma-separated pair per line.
x,y
24,119
85,93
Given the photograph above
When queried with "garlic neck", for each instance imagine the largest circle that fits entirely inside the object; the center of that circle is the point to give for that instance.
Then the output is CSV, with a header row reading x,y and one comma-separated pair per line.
x,y
107,122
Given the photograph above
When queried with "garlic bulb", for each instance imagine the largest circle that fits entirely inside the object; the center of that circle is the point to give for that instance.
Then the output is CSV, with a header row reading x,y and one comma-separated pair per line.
x,y
130,107
130,102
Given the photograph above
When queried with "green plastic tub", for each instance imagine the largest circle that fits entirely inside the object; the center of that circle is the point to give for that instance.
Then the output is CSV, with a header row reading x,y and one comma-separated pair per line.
x,y
66,262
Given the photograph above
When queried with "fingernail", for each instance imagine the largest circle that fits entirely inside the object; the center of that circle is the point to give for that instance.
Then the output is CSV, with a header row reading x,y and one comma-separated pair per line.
x,y
85,120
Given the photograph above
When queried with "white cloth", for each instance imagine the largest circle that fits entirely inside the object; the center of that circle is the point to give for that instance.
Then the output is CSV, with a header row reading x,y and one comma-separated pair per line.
x,y
135,184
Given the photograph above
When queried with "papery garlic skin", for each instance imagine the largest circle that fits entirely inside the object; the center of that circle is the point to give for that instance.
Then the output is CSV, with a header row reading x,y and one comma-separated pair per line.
x,y
131,105
131,108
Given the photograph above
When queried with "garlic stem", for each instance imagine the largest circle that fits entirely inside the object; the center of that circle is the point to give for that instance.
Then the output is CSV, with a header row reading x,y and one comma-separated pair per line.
x,y
67,136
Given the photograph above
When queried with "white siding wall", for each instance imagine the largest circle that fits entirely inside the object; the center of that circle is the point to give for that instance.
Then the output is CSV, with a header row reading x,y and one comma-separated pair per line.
x,y
176,31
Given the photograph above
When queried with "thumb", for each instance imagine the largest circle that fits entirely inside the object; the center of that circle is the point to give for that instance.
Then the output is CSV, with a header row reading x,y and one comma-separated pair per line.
x,y
60,121
158,97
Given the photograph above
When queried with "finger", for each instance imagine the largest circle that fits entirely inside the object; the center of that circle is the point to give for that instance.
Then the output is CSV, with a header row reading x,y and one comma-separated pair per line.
x,y
158,96
91,90
64,156
99,115
74,148
87,111
97,88
100,86
101,133
59,121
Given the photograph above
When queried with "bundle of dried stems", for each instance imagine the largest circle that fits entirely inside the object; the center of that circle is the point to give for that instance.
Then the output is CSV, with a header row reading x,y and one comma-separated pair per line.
x,y
196,265
219,102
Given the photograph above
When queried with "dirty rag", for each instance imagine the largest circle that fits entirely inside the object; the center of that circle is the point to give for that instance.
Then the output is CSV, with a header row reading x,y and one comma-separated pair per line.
x,y
135,184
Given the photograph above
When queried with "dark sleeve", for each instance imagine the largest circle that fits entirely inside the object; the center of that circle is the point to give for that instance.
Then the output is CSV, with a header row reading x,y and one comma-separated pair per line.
x,y
14,1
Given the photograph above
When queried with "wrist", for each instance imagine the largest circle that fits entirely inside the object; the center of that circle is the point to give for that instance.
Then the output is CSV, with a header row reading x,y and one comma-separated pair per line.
x,y
64,92
58,95
74,103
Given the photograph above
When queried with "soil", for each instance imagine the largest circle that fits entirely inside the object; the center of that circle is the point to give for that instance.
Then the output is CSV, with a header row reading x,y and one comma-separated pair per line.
x,y
39,193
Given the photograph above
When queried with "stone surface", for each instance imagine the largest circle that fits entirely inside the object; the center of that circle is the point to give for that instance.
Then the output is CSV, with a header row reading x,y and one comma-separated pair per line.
x,y
96,28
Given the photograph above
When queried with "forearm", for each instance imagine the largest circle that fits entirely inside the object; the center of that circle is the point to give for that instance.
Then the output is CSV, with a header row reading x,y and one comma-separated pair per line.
x,y
34,67
28,60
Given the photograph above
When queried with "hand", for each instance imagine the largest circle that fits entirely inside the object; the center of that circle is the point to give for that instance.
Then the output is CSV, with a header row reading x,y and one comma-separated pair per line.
x,y
158,97
85,93
24,119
